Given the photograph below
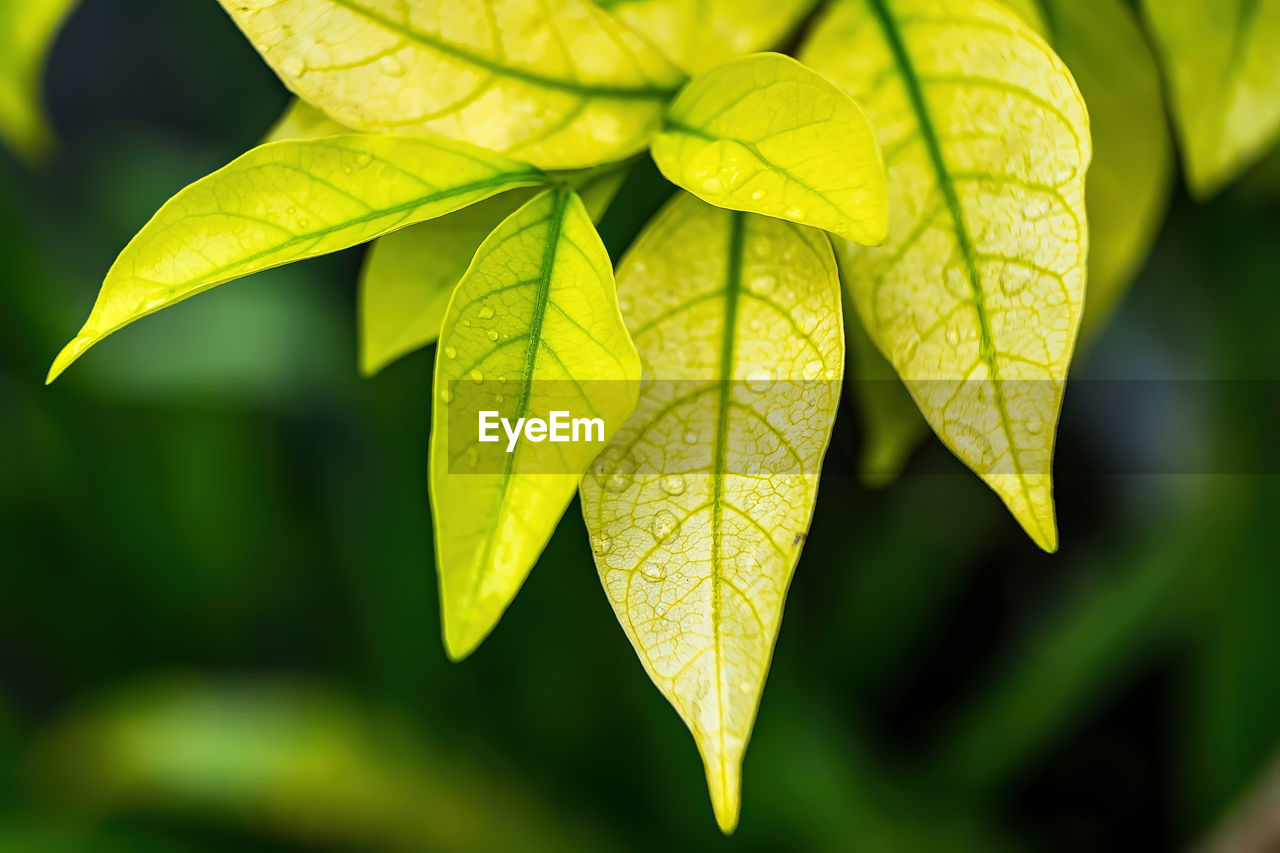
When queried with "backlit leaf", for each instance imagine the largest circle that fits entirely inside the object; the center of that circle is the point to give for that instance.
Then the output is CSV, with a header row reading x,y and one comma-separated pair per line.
x,y
557,83
701,34
283,202
976,298
1223,70
303,121
1129,181
764,134
27,31
699,507
533,327
891,424
409,276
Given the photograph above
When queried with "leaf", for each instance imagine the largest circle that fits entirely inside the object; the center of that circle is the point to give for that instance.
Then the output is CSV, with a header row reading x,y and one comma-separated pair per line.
x,y
1224,78
284,202
557,83
764,134
303,121
977,295
1127,193
409,276
700,35
698,508
1033,13
27,31
892,425
533,327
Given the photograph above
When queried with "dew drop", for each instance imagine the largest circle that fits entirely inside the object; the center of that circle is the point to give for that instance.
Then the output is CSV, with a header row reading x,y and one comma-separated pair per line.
x,y
673,485
653,571
477,377
691,436
446,395
757,195
450,352
620,479
953,336
758,380
492,334
392,65
293,66
291,210
485,312
364,160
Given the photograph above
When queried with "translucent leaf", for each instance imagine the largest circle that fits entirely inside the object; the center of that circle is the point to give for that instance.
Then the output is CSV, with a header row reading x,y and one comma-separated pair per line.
x,y
764,134
1223,70
303,121
532,328
557,83
409,276
976,298
1129,181
891,422
698,509
701,35
284,202
27,31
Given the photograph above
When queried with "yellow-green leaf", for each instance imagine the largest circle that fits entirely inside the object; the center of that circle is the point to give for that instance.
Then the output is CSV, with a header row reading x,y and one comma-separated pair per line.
x,y
558,83
976,298
303,121
27,31
533,327
1223,70
1129,182
764,134
699,507
409,276
1033,14
891,424
284,202
701,34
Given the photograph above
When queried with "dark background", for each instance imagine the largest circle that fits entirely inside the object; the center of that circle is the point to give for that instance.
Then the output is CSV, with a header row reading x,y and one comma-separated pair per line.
x,y
218,616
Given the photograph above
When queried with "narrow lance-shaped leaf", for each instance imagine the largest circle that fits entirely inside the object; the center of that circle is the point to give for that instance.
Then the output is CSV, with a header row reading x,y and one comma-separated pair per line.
x,y
1223,70
557,83
27,31
1132,171
284,202
766,135
300,120
976,298
533,328
409,276
701,35
698,509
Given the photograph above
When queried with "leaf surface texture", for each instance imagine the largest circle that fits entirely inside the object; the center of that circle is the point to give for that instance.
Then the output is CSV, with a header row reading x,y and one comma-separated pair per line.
x,y
698,508
559,83
536,318
764,134
977,295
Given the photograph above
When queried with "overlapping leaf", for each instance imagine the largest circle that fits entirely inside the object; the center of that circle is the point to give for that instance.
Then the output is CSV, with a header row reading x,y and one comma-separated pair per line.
x,y
977,296
557,83
303,121
27,29
701,34
698,509
409,276
533,327
1223,70
1129,181
766,135
286,201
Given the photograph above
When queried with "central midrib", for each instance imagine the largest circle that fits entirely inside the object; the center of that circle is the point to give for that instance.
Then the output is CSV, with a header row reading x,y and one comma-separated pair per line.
x,y
912,85
542,297
728,349
620,93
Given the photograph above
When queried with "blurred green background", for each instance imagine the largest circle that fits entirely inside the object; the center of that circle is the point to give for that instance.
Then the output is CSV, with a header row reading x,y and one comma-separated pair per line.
x,y
218,618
